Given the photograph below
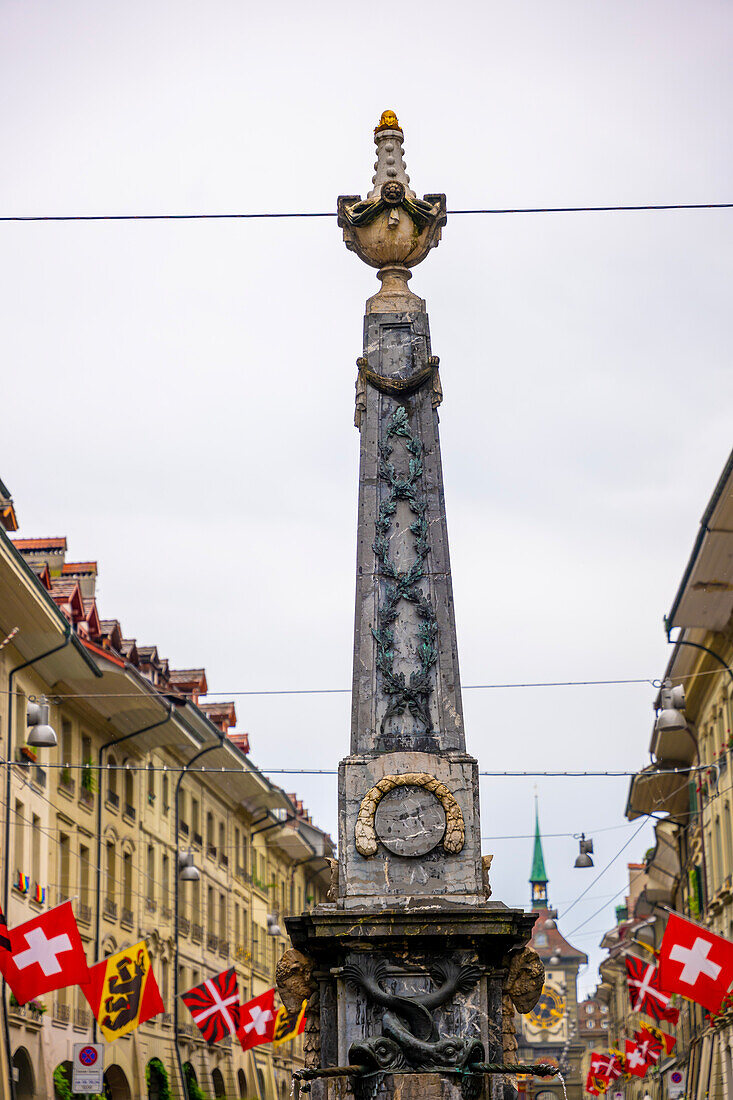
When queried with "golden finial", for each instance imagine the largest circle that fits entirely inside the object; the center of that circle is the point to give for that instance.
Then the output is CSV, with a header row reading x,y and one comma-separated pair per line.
x,y
388,121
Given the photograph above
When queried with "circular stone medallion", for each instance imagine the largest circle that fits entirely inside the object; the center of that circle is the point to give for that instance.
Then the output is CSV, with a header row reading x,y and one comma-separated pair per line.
x,y
409,821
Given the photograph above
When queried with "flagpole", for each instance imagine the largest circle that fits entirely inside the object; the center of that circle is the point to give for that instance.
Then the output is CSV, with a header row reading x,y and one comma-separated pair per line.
x,y
184,771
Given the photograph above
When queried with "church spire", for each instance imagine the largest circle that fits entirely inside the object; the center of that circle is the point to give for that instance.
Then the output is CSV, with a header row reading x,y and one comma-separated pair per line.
x,y
538,875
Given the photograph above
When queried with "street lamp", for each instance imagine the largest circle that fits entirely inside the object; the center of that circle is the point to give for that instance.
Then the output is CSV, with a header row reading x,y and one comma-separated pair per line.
x,y
671,718
41,735
187,870
586,847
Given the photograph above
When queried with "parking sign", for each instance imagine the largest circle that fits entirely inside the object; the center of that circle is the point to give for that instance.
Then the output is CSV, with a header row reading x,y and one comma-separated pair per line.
x,y
88,1067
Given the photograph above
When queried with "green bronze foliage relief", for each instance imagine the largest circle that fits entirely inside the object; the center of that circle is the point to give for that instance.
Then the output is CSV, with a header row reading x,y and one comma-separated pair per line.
x,y
411,694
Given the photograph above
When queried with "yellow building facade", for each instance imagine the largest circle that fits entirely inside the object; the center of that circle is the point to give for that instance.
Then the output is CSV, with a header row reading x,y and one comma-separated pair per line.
x,y
143,773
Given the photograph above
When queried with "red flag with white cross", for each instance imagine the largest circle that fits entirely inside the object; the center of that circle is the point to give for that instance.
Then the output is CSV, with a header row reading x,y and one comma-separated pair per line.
x,y
695,962
636,1060
214,1005
46,953
646,992
257,1020
605,1065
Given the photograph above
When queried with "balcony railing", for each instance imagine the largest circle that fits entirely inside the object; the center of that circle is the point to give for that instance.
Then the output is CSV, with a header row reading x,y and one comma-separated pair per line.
x,y
184,925
86,797
84,913
151,905
110,908
61,1012
183,827
39,776
241,952
167,1019
81,1017
224,859
223,948
113,799
198,839
126,918
212,942
165,912
211,851
129,811
185,1029
241,872
197,933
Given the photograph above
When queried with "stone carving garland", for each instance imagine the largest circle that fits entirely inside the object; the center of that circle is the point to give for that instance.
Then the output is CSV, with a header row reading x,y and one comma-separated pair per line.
x,y
365,831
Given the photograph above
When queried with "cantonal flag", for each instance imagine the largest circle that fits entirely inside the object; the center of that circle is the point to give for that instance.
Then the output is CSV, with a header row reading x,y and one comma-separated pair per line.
x,y
288,1024
214,1005
123,992
695,962
646,992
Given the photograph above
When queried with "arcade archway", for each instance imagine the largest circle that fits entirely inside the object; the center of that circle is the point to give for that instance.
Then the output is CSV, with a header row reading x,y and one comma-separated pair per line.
x,y
25,1081
116,1086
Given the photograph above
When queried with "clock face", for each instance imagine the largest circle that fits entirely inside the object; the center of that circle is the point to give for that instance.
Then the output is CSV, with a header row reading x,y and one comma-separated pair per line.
x,y
549,1010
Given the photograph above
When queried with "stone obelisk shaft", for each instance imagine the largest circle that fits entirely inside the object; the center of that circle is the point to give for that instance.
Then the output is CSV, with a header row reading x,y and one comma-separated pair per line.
x,y
406,689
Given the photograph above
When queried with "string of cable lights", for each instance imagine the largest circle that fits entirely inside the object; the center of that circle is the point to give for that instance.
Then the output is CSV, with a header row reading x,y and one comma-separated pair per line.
x,y
173,770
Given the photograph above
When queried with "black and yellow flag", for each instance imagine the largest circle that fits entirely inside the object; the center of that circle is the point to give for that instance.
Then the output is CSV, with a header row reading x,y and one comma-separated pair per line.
x,y
288,1024
123,992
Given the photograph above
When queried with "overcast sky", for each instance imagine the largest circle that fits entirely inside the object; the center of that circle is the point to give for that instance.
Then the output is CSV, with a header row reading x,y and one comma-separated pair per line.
x,y
178,396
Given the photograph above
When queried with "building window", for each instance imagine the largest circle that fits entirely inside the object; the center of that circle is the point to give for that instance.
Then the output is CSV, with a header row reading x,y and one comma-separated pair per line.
x,y
84,876
64,864
127,880
20,837
151,784
112,780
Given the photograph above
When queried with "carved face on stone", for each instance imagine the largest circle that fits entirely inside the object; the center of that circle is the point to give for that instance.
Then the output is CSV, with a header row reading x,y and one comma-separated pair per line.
x,y
393,192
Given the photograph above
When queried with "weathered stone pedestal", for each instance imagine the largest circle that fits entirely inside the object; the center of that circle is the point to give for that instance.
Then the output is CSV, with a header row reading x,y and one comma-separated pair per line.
x,y
412,951
410,960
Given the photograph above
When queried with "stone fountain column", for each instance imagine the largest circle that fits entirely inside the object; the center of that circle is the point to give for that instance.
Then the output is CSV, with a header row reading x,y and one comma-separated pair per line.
x,y
409,960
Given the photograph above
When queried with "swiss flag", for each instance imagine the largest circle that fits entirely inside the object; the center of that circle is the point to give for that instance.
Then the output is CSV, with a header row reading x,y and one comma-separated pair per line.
x,y
46,953
696,963
257,1020
636,1061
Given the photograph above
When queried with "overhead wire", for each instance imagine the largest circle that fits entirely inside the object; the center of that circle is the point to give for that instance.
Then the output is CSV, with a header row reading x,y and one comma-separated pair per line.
x,y
638,207
508,774
54,696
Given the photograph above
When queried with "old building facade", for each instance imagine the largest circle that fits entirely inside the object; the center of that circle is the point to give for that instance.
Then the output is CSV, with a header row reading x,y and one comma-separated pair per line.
x,y
688,789
550,1032
144,770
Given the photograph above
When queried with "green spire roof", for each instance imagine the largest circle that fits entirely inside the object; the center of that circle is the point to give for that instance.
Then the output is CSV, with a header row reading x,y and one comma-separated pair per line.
x,y
538,872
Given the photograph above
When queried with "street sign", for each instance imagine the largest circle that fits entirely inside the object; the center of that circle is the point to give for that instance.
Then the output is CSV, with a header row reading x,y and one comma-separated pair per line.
x,y
676,1083
87,1067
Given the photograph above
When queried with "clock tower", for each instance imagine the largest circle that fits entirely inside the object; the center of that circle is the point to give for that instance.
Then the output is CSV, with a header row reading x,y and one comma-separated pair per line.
x,y
550,1031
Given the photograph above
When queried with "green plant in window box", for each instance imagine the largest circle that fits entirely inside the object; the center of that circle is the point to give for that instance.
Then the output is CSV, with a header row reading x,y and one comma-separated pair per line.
x,y
88,782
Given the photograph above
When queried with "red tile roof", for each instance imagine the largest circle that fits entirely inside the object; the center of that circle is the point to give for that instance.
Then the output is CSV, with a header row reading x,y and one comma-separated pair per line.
x,y
85,567
40,544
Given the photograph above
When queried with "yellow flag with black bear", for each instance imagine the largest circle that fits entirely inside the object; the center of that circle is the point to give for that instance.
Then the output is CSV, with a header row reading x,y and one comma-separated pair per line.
x,y
122,992
288,1024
